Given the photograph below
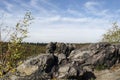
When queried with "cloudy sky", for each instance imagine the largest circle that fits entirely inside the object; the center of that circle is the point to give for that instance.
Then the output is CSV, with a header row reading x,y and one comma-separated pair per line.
x,y
77,21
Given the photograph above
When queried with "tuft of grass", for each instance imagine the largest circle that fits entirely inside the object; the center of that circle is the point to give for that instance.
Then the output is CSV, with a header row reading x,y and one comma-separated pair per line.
x,y
100,67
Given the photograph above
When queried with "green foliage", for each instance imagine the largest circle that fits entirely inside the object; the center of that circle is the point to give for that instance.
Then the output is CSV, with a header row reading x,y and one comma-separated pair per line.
x,y
28,49
112,35
9,59
92,79
20,33
100,67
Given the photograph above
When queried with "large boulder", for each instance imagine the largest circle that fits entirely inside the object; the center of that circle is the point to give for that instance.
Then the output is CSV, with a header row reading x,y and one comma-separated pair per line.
x,y
79,55
104,54
40,67
97,54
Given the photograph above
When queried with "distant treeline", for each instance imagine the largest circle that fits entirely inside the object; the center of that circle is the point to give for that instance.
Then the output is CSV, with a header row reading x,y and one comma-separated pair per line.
x,y
30,49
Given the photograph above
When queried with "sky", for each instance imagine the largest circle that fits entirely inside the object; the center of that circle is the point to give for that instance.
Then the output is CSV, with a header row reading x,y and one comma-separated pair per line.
x,y
74,21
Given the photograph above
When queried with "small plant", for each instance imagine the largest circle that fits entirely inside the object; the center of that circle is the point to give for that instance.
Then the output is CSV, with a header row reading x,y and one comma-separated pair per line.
x,y
100,67
20,33
14,51
92,79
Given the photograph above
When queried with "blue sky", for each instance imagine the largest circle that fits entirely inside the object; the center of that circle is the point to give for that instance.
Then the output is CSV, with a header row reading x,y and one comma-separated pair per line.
x,y
77,21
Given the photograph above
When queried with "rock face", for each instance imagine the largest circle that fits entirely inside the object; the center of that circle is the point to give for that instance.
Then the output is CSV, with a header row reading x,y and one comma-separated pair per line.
x,y
63,61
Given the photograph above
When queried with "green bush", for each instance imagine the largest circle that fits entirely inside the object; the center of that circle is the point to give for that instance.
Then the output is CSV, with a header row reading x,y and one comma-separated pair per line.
x,y
112,35
14,50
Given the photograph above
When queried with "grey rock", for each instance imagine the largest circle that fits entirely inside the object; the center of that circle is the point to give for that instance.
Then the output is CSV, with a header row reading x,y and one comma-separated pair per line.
x,y
61,57
51,47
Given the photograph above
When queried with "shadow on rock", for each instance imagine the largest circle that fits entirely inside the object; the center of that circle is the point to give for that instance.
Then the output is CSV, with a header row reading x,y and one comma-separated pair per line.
x,y
88,76
85,76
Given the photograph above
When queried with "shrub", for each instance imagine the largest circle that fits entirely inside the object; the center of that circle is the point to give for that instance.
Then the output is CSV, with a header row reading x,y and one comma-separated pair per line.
x,y
9,59
112,35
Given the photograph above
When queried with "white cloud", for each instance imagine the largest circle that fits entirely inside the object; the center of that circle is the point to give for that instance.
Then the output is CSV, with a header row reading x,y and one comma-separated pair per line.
x,y
48,19
91,4
75,12
46,2
69,30
67,35
80,20
8,5
39,6
62,19
34,3
96,8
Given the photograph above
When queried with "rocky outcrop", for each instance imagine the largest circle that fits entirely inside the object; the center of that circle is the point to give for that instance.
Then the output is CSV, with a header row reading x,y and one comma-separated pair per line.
x,y
63,61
